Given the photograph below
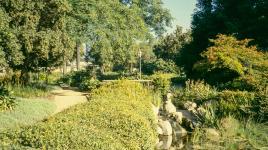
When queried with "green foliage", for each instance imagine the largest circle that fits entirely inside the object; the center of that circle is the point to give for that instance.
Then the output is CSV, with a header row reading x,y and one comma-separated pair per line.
x,y
36,35
154,14
233,61
159,65
218,104
168,48
233,135
119,116
207,115
162,82
89,84
213,17
110,76
236,103
195,91
31,91
260,105
85,80
6,101
26,112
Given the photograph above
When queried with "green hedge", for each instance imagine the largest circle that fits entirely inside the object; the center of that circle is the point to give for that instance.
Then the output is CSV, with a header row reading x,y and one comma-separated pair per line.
x,y
118,116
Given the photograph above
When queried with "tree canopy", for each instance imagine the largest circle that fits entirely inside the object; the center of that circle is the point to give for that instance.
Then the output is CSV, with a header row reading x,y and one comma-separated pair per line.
x,y
234,62
36,33
243,19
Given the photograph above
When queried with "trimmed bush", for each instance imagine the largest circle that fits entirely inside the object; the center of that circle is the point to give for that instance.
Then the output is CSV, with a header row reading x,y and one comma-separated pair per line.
x,y
119,116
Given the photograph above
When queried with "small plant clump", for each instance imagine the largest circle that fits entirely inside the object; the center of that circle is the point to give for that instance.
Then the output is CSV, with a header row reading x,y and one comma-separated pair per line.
x,y
6,101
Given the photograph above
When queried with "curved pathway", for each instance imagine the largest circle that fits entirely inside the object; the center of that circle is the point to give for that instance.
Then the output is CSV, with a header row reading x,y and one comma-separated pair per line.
x,y
67,98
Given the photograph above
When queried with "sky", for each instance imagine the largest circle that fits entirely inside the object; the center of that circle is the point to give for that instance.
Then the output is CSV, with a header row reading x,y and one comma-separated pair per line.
x,y
182,11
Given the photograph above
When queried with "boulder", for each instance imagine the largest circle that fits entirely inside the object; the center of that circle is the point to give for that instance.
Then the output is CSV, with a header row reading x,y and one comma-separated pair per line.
x,y
166,127
178,144
212,134
178,117
169,97
165,143
189,119
186,114
169,107
178,131
159,130
159,145
190,106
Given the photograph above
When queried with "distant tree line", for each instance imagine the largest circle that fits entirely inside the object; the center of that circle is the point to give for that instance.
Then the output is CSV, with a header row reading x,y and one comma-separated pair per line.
x,y
37,33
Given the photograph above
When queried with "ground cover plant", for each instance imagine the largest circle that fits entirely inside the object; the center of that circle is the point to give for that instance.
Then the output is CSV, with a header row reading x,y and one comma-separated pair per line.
x,y
119,116
26,112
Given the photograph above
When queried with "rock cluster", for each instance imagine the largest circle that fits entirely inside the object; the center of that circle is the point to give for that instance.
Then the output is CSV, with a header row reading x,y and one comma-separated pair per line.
x,y
172,124
170,121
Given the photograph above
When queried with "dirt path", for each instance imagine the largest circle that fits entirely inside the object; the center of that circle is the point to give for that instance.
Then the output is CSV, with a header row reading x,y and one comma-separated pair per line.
x,y
67,98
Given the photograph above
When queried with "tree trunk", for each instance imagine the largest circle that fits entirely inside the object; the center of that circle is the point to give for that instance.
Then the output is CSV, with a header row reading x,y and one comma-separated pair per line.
x,y
64,68
24,77
77,56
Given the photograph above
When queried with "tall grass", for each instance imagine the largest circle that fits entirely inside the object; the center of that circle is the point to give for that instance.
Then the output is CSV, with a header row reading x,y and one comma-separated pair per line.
x,y
31,91
234,135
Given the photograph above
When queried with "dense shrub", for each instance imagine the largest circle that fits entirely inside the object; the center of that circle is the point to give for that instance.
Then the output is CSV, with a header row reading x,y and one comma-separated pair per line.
x,y
162,82
110,76
234,63
119,116
195,91
85,80
261,105
6,101
240,104
159,65
233,135
236,103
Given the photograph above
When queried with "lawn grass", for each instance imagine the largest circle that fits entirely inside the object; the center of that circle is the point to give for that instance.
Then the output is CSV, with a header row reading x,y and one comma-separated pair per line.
x,y
26,112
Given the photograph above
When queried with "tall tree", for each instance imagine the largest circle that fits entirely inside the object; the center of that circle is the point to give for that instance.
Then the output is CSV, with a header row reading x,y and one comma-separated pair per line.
x,y
169,47
113,27
35,35
243,19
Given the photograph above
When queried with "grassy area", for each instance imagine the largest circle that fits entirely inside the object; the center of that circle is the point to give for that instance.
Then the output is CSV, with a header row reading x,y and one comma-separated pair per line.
x,y
26,112
31,91
119,116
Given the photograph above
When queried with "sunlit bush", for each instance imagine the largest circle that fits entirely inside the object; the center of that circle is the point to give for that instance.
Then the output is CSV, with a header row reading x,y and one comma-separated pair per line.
x,y
118,116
